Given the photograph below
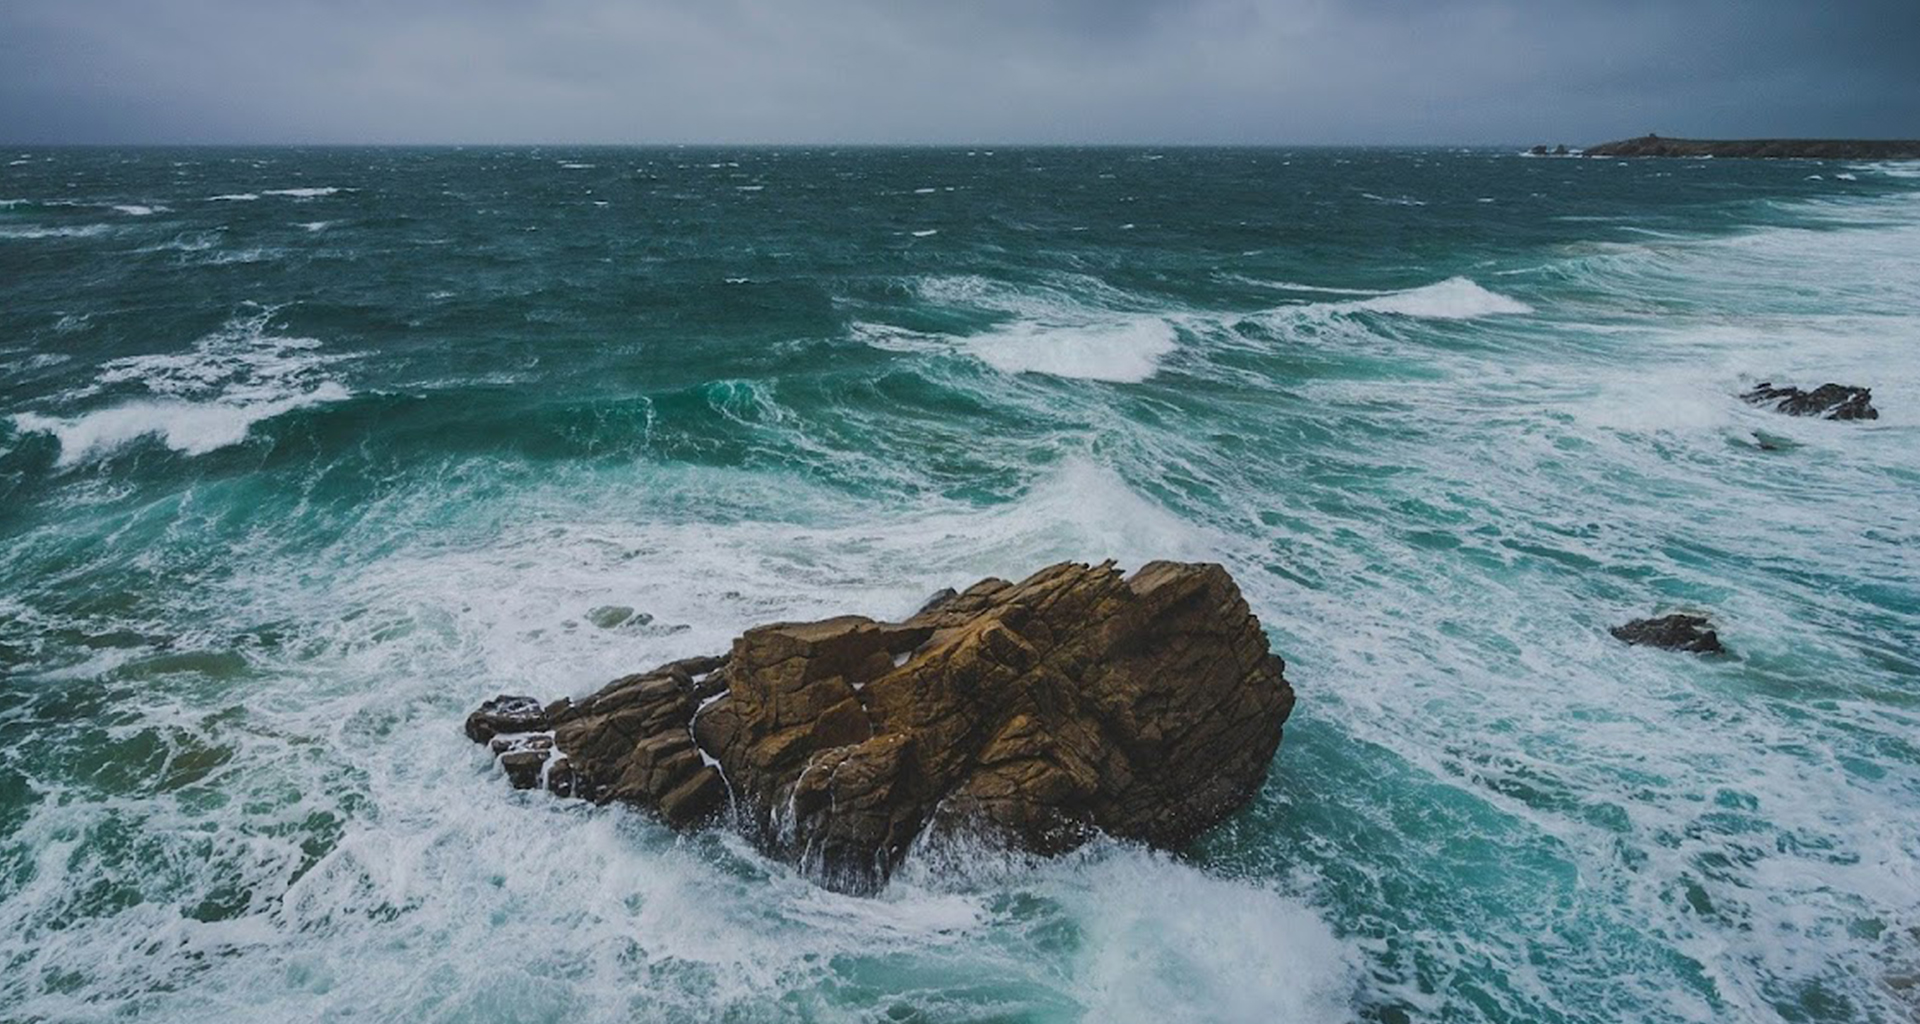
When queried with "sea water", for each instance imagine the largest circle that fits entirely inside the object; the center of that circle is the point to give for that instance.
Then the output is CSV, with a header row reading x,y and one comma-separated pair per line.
x,y
304,453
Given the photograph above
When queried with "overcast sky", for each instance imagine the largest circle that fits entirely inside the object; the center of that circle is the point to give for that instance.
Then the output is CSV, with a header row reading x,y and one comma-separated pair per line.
x,y
638,71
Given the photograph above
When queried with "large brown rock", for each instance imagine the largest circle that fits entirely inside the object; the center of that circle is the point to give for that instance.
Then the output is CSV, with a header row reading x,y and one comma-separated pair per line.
x,y
1033,714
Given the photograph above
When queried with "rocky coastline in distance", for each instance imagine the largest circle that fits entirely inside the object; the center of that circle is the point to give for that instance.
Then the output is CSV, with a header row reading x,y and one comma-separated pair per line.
x,y
1765,149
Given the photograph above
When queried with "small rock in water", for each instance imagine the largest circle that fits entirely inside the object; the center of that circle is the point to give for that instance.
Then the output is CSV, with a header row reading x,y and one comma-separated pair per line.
x,y
506,714
611,616
1673,632
1830,401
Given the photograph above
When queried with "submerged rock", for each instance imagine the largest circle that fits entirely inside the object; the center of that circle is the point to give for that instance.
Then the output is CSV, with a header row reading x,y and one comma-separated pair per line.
x,y
1033,715
1673,632
1831,401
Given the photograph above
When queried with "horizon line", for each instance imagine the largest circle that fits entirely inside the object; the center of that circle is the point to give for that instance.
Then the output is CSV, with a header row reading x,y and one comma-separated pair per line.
x,y
742,144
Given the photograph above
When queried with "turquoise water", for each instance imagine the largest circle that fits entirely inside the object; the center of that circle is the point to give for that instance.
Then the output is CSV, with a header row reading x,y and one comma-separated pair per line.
x,y
303,453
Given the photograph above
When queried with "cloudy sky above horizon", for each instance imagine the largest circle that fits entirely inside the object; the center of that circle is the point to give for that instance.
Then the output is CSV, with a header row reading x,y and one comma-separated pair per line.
x,y
1010,71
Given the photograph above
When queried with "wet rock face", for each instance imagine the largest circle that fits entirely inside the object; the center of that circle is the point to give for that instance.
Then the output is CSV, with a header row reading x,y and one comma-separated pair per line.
x,y
1673,632
1032,714
1830,401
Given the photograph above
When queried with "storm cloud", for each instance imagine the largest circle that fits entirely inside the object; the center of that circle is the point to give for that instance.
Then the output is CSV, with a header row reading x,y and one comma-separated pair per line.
x,y
1231,71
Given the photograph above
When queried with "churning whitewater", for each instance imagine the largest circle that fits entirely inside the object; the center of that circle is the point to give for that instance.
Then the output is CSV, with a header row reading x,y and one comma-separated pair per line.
x,y
304,453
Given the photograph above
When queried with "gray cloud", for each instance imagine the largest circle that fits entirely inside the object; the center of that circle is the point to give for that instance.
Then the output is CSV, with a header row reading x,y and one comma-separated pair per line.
x,y
992,70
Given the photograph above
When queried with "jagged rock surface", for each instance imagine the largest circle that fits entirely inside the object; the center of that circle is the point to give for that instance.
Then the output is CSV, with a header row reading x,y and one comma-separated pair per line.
x,y
1031,714
1830,401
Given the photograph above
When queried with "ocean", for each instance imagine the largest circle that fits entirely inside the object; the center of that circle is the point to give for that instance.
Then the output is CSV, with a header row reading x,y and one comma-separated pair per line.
x,y
306,452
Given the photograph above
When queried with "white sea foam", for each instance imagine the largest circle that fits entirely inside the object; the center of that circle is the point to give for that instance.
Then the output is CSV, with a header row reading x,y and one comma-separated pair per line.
x,y
597,913
1119,349
1295,286
191,428
1078,327
1893,168
925,233
316,225
252,254
1530,822
304,193
136,210
198,241
605,907
234,197
1457,298
1185,946
198,400
38,361
1720,814
707,581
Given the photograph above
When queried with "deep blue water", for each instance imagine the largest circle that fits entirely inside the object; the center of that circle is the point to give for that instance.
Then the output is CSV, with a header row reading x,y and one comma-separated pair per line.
x,y
303,453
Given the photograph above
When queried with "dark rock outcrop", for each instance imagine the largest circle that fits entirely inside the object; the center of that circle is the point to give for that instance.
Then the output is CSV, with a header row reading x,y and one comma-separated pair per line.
x,y
1673,632
1032,715
1801,149
1830,401
504,714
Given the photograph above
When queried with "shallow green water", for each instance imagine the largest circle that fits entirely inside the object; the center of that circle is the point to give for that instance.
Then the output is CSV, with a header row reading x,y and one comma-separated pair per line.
x,y
304,453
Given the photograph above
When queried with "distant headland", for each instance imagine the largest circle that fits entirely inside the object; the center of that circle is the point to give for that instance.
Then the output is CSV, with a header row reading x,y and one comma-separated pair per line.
x,y
1805,149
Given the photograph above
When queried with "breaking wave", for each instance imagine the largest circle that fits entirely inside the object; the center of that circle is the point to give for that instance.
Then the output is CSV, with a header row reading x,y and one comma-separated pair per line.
x,y
199,400
1456,298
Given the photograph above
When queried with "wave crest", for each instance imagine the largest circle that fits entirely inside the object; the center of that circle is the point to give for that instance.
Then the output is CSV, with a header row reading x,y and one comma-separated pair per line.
x,y
1456,298
199,400
1122,350
191,428
1079,328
